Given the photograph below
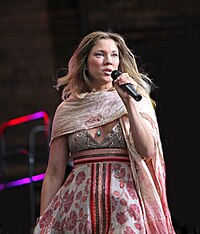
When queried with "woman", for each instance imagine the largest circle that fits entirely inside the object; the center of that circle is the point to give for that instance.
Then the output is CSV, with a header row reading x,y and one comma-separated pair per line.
x,y
117,184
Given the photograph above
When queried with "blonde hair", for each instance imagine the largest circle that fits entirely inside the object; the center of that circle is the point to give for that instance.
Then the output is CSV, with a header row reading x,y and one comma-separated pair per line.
x,y
77,80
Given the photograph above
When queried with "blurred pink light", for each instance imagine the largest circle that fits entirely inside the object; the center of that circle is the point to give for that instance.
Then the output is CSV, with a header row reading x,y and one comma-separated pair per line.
x,y
18,182
25,118
23,181
20,120
37,177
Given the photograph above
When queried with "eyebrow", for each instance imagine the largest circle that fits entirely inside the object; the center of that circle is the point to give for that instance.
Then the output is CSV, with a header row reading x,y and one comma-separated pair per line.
x,y
101,50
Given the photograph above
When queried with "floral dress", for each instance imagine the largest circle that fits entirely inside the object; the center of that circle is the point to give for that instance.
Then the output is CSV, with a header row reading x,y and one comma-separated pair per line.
x,y
99,195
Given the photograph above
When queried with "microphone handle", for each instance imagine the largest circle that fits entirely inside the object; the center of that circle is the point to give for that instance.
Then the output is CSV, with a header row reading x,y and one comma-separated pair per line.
x,y
127,87
131,91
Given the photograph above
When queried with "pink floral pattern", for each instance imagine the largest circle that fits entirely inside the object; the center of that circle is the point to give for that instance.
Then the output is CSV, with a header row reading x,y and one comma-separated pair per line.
x,y
91,119
125,203
69,213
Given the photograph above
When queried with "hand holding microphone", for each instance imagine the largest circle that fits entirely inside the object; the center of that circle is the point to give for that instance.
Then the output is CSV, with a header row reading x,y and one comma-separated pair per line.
x,y
126,87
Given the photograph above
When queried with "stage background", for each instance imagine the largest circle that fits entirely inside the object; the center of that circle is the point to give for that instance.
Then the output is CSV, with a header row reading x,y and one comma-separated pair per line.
x,y
38,37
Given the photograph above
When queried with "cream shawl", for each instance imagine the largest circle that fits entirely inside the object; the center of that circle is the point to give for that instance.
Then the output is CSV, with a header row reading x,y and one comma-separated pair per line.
x,y
98,108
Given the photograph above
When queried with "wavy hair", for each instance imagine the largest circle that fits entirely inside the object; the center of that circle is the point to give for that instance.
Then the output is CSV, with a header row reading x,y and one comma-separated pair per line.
x,y
77,80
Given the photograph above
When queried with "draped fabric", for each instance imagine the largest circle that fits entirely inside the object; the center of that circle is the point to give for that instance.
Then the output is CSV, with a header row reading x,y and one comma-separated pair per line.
x,y
95,109
92,110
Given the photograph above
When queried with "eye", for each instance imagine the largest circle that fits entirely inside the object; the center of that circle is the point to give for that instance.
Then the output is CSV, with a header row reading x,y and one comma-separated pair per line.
x,y
115,55
98,54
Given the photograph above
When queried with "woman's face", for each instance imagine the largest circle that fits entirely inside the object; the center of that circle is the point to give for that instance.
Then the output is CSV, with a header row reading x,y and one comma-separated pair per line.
x,y
102,60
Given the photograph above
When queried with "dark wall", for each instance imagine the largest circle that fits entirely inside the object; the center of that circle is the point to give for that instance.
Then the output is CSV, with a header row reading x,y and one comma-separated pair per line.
x,y
38,37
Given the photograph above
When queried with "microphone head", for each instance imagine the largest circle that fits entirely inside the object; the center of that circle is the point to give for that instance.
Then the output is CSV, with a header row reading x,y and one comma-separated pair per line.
x,y
115,74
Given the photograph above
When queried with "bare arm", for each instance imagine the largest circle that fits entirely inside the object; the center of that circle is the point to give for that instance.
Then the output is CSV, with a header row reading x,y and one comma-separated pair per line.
x,y
142,136
55,172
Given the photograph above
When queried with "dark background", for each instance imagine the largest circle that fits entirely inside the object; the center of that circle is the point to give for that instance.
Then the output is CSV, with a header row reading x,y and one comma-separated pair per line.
x,y
38,37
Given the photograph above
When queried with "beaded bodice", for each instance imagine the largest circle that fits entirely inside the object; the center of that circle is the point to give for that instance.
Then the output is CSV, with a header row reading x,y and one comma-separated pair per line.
x,y
82,140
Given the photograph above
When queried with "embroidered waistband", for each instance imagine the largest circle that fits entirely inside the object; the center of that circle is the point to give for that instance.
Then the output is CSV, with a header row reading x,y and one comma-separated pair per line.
x,y
100,155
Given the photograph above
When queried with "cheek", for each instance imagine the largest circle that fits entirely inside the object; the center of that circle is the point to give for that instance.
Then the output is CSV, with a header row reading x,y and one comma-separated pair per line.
x,y
93,67
93,64
116,62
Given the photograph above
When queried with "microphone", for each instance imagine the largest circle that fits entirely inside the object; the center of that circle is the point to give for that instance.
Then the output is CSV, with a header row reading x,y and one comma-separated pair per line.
x,y
127,87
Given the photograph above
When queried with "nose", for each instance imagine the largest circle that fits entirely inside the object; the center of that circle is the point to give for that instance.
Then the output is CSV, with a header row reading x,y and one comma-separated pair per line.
x,y
108,59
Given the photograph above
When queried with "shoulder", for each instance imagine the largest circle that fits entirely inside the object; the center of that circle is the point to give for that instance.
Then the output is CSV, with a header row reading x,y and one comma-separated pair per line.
x,y
63,104
59,109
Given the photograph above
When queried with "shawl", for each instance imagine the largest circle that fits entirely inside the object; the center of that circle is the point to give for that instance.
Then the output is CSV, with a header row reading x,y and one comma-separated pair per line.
x,y
98,108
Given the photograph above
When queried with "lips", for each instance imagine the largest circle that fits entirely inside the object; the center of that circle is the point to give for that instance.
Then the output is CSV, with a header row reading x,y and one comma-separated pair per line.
x,y
107,71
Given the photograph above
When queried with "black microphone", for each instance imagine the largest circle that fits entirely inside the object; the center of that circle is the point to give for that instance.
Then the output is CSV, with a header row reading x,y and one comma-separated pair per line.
x,y
127,87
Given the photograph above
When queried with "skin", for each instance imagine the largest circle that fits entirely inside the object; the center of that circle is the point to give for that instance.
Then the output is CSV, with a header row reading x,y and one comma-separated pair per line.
x,y
102,60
